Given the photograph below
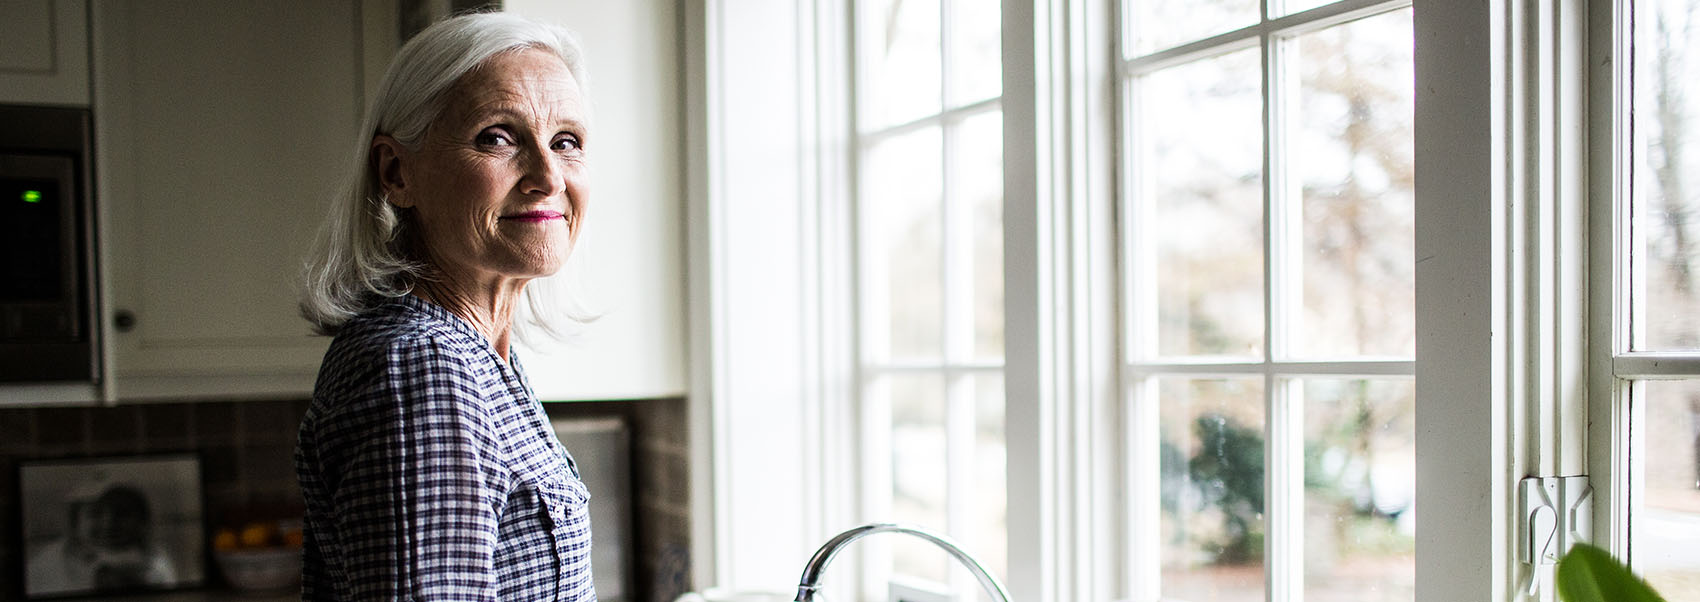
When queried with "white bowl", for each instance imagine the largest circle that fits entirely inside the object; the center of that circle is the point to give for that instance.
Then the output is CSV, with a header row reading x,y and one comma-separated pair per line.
x,y
261,569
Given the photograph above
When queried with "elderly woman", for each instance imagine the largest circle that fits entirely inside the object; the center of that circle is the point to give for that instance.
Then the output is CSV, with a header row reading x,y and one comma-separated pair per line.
x,y
428,466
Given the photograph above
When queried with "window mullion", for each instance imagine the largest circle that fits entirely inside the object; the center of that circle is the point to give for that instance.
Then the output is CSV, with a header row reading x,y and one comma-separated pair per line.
x,y
1283,228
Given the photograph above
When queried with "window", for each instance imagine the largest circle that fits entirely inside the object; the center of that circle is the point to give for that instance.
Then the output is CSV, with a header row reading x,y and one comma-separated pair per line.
x,y
1655,321
1212,293
1270,312
929,204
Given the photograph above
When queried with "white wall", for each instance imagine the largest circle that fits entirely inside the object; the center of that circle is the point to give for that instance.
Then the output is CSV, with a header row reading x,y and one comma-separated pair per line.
x,y
632,250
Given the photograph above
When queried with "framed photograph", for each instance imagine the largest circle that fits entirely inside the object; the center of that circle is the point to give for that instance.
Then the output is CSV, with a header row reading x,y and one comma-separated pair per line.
x,y
111,525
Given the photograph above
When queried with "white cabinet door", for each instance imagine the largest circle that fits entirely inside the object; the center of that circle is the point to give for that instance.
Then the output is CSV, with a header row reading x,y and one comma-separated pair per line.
x,y
222,129
44,52
632,249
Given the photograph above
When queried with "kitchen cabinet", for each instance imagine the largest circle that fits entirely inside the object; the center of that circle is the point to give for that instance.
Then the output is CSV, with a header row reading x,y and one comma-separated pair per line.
x,y
45,57
222,129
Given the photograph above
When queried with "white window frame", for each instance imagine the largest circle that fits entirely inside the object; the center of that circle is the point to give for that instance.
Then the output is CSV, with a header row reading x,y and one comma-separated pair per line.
x,y
1491,348
1612,454
957,363
1281,378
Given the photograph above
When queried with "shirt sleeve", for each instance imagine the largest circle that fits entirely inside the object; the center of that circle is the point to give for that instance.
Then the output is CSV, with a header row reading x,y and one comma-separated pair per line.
x,y
422,494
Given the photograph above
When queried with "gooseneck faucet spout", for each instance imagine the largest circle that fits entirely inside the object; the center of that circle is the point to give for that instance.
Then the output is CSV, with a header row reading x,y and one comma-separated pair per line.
x,y
812,572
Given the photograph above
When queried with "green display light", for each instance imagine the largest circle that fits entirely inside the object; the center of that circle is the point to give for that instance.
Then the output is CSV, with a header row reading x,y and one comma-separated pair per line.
x,y
32,196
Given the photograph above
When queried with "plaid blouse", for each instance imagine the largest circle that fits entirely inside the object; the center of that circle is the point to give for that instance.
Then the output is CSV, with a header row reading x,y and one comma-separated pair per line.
x,y
430,471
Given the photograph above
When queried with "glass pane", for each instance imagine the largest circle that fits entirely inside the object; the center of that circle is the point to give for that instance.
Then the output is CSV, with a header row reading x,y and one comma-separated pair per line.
x,y
976,61
1666,525
1159,24
1360,485
918,471
1296,6
1202,128
979,184
1212,489
902,232
987,539
1666,197
899,47
1352,153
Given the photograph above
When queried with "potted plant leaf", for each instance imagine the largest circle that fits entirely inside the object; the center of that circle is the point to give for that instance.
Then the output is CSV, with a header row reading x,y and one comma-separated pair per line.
x,y
1590,574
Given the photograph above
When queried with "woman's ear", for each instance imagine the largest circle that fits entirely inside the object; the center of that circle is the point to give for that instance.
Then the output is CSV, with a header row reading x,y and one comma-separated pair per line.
x,y
387,155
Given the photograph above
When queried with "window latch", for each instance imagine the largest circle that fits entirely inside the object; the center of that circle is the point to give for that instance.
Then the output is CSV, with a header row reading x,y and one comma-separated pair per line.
x,y
1557,513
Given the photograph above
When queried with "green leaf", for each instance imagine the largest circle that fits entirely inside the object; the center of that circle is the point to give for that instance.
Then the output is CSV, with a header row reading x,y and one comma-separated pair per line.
x,y
1590,574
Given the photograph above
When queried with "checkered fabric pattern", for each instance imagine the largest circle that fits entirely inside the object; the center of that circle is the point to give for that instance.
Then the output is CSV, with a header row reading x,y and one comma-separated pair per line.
x,y
430,471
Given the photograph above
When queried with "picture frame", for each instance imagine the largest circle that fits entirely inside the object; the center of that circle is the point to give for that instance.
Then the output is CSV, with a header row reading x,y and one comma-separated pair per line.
x,y
111,525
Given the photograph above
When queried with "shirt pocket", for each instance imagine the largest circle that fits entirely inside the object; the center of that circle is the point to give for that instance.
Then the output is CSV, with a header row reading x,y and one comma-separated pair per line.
x,y
567,504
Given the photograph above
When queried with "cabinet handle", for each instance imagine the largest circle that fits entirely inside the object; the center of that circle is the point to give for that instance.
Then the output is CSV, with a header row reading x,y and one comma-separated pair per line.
x,y
124,320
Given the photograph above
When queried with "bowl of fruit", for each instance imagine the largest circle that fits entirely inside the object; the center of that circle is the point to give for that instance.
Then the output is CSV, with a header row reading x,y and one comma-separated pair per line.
x,y
260,556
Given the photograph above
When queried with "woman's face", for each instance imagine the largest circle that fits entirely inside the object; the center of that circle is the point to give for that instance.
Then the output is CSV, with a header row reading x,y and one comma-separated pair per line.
x,y
498,183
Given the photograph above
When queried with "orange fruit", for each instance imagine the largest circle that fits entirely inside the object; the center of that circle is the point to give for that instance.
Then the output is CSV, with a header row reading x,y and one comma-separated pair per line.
x,y
225,540
258,534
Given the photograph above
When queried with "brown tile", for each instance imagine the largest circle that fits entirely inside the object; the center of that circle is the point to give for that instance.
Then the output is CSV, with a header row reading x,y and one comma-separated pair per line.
x,y
271,420
115,430
61,430
17,430
219,465
662,421
216,422
268,462
225,504
275,500
167,423
662,478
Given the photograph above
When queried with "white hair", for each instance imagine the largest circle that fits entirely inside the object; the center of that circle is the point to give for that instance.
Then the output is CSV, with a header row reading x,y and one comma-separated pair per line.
x,y
363,254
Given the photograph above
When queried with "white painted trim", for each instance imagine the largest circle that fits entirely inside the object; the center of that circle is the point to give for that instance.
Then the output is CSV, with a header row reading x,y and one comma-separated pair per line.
x,y
1457,417
697,58
1063,383
768,230
1656,365
1032,574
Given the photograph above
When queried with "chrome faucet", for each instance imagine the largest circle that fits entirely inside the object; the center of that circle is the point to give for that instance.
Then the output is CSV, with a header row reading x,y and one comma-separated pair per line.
x,y
811,573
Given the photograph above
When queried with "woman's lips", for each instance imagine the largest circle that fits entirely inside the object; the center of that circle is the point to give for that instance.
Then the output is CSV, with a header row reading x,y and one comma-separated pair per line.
x,y
533,216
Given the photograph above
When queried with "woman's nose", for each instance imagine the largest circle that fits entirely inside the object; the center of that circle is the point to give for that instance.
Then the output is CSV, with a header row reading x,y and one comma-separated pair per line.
x,y
544,175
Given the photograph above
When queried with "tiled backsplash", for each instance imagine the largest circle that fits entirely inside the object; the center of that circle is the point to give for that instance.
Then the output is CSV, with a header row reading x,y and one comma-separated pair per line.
x,y
248,472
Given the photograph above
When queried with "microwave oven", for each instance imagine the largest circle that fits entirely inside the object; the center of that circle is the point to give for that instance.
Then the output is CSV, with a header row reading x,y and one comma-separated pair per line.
x,y
48,308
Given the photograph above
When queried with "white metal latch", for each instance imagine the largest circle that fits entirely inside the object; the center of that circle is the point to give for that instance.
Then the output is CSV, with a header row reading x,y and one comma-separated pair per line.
x,y
1557,513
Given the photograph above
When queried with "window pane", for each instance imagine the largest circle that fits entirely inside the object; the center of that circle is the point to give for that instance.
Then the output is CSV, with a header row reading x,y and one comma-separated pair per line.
x,y
1212,489
1360,484
1294,6
1159,24
1666,211
902,204
976,61
1666,525
1352,153
1204,169
918,471
899,48
979,172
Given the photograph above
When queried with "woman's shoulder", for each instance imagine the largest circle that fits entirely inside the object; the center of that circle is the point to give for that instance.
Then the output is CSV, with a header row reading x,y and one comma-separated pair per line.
x,y
399,348
401,335
406,323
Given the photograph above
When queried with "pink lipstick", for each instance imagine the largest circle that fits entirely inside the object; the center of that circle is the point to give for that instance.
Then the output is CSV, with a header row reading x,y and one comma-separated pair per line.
x,y
532,217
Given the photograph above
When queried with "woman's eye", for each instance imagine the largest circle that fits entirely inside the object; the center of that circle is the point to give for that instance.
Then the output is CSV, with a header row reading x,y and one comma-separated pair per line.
x,y
567,143
493,138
